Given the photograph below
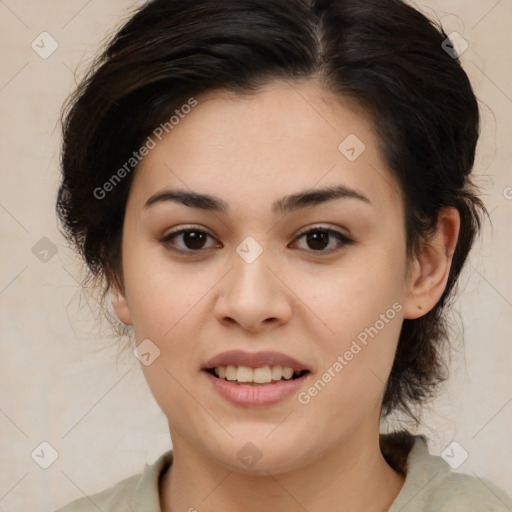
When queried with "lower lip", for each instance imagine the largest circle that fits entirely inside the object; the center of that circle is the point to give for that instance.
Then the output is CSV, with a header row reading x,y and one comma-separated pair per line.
x,y
256,396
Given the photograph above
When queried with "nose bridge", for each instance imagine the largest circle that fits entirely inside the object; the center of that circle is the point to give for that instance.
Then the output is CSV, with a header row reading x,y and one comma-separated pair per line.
x,y
252,281
252,294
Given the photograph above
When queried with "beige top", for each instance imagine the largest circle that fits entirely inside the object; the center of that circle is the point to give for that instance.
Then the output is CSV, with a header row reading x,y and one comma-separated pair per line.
x,y
430,486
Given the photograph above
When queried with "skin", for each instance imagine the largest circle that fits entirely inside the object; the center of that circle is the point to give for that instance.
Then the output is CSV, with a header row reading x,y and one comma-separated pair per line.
x,y
251,151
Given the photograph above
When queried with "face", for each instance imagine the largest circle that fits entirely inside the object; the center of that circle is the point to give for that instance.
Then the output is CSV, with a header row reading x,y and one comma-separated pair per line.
x,y
320,280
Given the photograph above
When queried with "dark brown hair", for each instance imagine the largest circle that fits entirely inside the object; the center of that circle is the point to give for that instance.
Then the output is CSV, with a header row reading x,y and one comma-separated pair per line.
x,y
383,54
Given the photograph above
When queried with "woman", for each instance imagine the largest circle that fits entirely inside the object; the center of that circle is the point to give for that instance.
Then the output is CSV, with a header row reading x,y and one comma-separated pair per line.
x,y
276,196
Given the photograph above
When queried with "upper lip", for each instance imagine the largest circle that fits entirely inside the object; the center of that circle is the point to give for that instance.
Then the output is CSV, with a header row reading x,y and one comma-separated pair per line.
x,y
254,360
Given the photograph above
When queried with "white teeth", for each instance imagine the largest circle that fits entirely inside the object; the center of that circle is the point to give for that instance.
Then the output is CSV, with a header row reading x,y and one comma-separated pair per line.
x,y
230,372
244,374
277,372
287,373
262,375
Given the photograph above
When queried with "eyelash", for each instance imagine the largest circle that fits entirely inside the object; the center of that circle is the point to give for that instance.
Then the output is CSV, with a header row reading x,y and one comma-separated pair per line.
x,y
342,239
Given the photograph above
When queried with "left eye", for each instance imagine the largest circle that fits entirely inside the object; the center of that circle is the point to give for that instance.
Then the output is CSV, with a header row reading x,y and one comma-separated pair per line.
x,y
317,239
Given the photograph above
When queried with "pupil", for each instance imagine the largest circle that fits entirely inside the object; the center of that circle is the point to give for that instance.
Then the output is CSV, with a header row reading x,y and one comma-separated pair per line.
x,y
318,240
194,240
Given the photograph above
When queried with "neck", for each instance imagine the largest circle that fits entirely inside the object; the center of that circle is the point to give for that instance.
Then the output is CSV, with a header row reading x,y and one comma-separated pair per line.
x,y
352,477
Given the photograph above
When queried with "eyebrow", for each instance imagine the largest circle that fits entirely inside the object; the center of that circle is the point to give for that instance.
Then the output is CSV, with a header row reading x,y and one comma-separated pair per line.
x,y
287,204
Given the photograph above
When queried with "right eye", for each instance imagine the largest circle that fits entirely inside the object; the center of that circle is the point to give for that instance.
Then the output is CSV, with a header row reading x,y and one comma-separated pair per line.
x,y
193,240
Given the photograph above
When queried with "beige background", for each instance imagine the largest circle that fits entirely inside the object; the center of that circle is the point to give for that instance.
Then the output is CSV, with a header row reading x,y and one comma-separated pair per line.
x,y
58,382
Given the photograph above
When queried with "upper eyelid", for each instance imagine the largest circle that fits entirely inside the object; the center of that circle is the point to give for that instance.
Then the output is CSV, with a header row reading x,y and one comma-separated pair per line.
x,y
317,227
344,238
302,231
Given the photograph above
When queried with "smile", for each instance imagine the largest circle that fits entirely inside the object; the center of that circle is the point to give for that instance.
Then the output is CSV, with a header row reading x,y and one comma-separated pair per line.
x,y
244,375
255,394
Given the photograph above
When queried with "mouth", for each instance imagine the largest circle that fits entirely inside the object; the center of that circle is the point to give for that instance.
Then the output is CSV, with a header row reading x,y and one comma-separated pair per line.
x,y
255,368
255,379
259,376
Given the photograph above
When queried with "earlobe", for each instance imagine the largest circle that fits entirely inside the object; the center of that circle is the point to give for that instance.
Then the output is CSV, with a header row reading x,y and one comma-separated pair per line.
x,y
432,266
120,305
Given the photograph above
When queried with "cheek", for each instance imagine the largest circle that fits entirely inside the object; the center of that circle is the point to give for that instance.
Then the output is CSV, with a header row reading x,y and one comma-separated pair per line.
x,y
357,358
351,296
160,292
360,307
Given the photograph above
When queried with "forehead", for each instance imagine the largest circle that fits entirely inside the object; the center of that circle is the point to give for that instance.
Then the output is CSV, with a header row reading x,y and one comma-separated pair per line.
x,y
253,149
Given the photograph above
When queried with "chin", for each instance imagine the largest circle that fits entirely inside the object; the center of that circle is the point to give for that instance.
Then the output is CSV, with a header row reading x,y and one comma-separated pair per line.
x,y
262,454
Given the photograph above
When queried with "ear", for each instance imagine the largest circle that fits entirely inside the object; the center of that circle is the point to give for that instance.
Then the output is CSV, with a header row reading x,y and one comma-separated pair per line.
x,y
120,305
431,268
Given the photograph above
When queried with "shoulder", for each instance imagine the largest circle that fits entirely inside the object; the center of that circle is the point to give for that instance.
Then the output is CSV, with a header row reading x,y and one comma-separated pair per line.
x,y
431,486
120,495
463,492
128,494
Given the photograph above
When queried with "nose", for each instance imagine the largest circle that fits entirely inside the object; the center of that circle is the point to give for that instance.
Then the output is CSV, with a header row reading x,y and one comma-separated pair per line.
x,y
254,295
